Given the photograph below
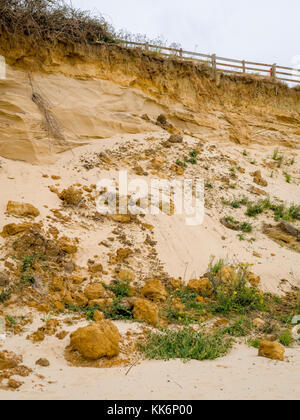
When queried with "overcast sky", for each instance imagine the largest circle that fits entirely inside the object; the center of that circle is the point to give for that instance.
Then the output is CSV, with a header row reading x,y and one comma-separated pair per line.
x,y
260,30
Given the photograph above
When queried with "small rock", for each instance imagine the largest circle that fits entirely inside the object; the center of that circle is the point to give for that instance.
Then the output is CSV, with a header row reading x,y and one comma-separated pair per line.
x,y
201,286
4,280
98,316
94,291
155,290
146,311
271,350
258,179
175,139
98,340
22,209
43,362
13,384
259,324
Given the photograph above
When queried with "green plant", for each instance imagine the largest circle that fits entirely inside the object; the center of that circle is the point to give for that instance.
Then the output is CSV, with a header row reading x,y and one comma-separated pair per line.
x,y
11,320
246,227
121,288
286,338
254,343
185,344
239,328
117,311
180,163
5,295
288,177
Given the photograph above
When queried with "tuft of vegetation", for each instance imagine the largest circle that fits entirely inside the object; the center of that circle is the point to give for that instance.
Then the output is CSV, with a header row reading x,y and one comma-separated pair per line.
x,y
121,289
5,295
185,344
286,338
281,211
50,21
239,328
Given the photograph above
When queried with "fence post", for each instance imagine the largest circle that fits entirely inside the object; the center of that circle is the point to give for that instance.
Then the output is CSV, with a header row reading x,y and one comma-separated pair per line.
x,y
147,47
244,67
214,65
274,71
181,53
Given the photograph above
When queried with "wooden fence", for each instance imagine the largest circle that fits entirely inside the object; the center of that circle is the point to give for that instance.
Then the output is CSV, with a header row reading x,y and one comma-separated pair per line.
x,y
221,64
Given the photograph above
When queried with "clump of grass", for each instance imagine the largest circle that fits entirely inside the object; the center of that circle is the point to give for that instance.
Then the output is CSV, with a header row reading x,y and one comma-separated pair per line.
x,y
254,343
286,338
11,320
234,295
281,211
185,344
117,311
5,295
239,328
246,227
288,177
181,164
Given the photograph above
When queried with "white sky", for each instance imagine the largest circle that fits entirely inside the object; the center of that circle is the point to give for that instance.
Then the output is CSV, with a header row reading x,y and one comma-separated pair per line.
x,y
261,30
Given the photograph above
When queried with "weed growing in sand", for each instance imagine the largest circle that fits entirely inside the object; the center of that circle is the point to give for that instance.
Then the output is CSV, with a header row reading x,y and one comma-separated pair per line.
x,y
11,321
288,177
5,295
239,328
117,311
121,288
246,227
276,157
286,338
281,211
185,344
254,343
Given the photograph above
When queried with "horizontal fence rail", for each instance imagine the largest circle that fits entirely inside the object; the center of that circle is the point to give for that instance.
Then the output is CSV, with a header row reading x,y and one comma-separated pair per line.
x,y
221,64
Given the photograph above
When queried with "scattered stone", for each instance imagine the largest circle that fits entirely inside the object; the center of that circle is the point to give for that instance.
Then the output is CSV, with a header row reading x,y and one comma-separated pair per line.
x,y
94,291
155,290
98,316
221,323
253,279
97,340
259,324
13,229
4,280
146,311
13,384
43,362
175,139
290,229
271,350
71,196
258,179
201,286
126,275
230,224
22,209
62,335
162,120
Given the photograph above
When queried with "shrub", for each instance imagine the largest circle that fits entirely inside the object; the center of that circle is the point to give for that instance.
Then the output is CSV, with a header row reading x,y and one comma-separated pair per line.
x,y
49,21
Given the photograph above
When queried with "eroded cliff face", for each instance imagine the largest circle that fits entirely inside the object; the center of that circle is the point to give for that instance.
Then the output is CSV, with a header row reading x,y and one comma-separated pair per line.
x,y
57,98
